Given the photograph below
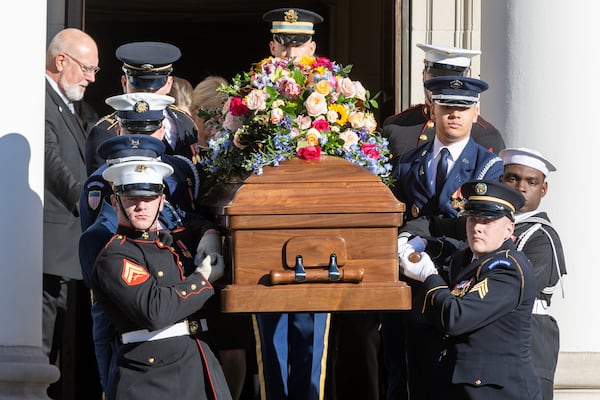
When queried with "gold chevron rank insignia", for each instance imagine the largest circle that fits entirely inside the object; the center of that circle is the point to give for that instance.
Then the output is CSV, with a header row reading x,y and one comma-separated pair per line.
x,y
481,288
133,274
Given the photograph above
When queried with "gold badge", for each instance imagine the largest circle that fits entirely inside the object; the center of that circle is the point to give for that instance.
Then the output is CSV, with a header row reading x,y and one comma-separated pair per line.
x,y
414,211
141,106
291,16
141,168
481,189
458,204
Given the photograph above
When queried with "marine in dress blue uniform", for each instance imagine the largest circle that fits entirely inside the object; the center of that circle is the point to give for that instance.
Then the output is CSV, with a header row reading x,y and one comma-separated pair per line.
x,y
140,283
291,347
95,237
147,67
414,126
410,344
526,170
141,112
484,309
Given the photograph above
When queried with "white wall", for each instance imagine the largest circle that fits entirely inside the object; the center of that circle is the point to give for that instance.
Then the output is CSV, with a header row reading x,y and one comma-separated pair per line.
x,y
22,34
539,58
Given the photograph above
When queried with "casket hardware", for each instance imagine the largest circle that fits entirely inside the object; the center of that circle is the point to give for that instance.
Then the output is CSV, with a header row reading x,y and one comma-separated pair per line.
x,y
311,275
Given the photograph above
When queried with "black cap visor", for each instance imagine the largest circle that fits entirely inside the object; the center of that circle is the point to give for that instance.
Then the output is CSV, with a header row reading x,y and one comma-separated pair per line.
x,y
437,69
140,189
484,209
140,126
288,39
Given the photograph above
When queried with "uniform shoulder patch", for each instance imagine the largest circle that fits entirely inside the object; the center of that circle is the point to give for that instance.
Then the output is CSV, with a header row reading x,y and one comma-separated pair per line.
x,y
94,199
134,274
501,262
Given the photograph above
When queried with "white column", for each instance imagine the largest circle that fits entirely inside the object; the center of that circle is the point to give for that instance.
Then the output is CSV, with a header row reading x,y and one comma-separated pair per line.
x,y
541,60
24,370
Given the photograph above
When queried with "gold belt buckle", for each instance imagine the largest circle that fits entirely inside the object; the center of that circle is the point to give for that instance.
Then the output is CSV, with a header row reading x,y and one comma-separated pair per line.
x,y
193,326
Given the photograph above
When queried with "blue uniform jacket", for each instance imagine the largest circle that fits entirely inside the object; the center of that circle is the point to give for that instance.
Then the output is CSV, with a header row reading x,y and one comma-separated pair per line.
x,y
412,179
486,314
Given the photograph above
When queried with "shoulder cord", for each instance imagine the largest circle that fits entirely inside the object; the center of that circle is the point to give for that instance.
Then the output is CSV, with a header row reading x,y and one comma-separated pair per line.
x,y
487,166
524,237
192,167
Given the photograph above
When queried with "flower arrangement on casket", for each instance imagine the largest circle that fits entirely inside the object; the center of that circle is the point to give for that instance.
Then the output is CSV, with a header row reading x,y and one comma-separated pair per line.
x,y
285,108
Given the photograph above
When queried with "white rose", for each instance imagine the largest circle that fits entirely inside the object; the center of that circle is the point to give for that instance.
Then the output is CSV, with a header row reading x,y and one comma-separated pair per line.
x,y
361,92
347,88
257,100
316,104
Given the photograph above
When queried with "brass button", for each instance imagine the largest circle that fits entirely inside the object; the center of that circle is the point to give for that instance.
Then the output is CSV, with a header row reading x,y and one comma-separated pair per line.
x,y
151,360
193,326
203,283
478,382
160,274
193,286
160,243
183,292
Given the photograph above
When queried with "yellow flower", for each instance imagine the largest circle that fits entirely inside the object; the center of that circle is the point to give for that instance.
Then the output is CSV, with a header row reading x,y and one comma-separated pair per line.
x,y
323,87
342,113
306,61
312,137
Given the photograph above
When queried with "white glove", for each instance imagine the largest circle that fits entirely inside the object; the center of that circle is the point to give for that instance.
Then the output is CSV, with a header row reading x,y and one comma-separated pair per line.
x,y
403,238
209,245
419,270
212,268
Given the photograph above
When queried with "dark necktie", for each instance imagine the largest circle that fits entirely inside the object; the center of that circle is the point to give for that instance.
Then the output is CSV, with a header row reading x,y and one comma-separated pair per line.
x,y
442,169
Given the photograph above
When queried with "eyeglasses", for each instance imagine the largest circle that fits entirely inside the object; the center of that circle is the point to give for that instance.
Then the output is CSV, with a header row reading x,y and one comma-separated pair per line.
x,y
84,68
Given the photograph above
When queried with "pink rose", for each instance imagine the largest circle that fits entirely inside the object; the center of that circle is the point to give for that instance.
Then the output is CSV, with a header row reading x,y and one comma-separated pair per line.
x,y
321,125
309,152
370,150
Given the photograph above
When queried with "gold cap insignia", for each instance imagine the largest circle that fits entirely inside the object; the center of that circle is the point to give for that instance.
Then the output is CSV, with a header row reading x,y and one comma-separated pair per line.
x,y
141,168
481,188
141,107
291,16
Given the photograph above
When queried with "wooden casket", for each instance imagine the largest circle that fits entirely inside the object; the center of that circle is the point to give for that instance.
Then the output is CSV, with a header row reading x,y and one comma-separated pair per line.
x,y
310,235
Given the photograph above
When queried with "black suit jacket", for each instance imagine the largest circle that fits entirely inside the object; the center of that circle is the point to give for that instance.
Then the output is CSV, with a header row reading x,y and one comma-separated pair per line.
x,y
64,176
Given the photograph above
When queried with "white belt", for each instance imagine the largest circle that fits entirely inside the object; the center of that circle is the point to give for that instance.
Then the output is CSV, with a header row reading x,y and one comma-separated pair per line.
x,y
179,329
540,307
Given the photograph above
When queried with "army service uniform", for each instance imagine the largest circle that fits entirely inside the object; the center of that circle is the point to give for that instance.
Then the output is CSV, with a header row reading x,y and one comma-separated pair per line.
x,y
487,299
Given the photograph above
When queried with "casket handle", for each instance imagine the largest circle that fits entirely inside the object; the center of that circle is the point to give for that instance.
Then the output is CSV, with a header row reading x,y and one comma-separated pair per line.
x,y
346,275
